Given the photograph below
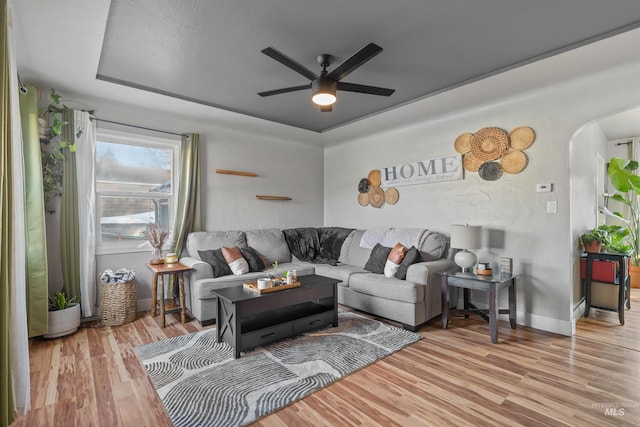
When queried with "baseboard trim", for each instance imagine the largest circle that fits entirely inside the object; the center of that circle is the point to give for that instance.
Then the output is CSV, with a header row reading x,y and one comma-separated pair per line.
x,y
548,324
144,304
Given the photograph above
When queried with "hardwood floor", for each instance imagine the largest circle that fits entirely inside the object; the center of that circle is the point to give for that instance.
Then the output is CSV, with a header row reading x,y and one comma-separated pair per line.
x,y
451,377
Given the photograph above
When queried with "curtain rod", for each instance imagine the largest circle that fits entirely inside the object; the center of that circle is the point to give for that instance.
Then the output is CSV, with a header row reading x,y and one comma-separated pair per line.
x,y
624,143
135,126
21,86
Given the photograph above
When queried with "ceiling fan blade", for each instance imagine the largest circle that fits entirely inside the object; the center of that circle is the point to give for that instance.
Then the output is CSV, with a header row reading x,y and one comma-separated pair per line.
x,y
285,90
325,108
362,56
288,62
372,90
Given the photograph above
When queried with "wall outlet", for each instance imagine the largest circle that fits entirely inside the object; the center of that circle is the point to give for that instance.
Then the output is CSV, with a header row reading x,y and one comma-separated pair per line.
x,y
552,206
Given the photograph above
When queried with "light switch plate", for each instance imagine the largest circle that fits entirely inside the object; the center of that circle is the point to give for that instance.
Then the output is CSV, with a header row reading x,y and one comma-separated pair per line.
x,y
552,206
544,188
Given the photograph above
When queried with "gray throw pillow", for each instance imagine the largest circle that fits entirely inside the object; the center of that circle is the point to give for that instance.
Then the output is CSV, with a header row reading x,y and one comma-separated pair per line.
x,y
377,259
411,257
215,258
253,259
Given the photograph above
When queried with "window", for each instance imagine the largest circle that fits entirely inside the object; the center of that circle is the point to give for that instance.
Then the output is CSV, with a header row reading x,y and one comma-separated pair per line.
x,y
136,181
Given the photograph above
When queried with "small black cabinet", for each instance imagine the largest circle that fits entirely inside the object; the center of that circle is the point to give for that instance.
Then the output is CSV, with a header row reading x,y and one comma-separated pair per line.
x,y
621,280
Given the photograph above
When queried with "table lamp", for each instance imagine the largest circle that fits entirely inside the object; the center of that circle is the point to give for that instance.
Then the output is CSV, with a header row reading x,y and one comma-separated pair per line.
x,y
466,237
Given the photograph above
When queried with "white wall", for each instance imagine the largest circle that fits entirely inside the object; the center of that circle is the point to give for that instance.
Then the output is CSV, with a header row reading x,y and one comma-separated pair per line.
x,y
542,245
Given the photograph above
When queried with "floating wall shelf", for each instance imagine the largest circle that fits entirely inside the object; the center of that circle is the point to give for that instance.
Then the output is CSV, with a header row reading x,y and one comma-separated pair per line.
x,y
273,198
228,172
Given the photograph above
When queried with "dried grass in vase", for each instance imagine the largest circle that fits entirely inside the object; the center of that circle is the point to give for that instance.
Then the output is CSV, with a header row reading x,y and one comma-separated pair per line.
x,y
156,238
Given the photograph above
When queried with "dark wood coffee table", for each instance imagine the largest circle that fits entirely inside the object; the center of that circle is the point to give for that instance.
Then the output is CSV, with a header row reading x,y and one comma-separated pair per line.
x,y
246,319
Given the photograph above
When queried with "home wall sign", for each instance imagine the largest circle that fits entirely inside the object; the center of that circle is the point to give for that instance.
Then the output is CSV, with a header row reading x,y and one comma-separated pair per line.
x,y
440,169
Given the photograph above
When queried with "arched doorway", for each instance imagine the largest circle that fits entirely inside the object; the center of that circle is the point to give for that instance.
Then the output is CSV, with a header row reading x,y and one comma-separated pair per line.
x,y
616,135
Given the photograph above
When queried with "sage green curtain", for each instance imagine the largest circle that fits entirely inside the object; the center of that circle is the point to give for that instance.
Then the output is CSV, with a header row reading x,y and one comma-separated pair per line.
x,y
6,231
69,223
14,347
188,215
34,218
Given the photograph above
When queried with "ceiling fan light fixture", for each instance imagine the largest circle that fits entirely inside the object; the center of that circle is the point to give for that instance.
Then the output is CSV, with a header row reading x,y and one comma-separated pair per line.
x,y
323,91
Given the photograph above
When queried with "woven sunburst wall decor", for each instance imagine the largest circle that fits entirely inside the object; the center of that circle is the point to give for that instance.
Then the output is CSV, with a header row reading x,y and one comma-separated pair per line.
x,y
371,194
492,151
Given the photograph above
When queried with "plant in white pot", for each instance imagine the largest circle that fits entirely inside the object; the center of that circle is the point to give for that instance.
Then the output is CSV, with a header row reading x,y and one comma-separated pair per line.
x,y
64,315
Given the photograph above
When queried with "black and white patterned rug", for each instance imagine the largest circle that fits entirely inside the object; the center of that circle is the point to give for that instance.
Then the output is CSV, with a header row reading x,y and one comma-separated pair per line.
x,y
200,383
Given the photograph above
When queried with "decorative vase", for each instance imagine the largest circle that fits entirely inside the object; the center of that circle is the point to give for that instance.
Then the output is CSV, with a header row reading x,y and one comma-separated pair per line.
x,y
157,256
63,322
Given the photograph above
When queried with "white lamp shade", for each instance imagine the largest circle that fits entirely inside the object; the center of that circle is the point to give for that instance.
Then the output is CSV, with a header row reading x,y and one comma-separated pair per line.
x,y
466,236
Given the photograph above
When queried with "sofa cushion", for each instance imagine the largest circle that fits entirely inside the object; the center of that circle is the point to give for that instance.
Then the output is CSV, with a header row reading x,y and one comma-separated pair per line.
x,y
235,260
215,258
434,246
394,259
205,240
412,256
352,253
340,272
269,244
383,287
253,259
377,259
346,245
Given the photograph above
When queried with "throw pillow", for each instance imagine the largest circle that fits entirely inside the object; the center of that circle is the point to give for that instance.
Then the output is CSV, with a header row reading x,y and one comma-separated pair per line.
x,y
235,260
412,256
253,259
394,259
377,259
215,258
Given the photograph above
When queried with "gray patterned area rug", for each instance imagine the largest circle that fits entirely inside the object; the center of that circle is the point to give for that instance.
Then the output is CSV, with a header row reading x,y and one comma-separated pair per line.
x,y
200,383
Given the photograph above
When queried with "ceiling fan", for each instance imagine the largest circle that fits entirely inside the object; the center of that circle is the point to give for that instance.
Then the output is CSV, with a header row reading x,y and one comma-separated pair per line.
x,y
324,86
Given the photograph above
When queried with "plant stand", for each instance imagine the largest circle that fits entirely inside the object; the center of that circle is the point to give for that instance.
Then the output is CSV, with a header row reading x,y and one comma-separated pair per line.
x,y
621,281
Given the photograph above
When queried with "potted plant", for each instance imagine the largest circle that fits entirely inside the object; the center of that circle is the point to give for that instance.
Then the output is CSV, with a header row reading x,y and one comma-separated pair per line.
x,y
64,315
616,239
53,146
593,240
627,185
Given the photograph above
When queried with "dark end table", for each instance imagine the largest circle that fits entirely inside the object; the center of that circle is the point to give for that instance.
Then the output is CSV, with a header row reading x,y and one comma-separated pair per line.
x,y
490,284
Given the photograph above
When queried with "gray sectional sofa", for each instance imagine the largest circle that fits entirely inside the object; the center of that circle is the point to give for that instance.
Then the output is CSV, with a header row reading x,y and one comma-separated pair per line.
x,y
410,302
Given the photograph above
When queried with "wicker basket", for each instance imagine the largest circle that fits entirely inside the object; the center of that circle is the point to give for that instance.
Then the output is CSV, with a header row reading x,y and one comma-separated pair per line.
x,y
118,303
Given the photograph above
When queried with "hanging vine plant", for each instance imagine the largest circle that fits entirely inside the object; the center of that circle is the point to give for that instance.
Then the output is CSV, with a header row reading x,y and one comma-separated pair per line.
x,y
53,147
